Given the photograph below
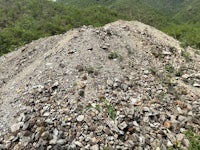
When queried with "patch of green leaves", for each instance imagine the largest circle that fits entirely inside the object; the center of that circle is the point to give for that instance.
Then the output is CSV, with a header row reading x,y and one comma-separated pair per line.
x,y
113,55
194,140
172,49
109,109
169,68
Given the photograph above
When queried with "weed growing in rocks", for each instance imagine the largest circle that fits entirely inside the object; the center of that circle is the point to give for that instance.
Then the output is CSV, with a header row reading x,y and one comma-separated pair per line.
x,y
194,140
179,72
169,68
186,55
113,55
184,44
153,70
90,70
172,49
109,109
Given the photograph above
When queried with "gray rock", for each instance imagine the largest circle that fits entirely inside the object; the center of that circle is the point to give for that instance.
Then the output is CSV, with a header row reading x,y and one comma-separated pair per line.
x,y
16,127
94,147
78,143
110,82
196,85
46,114
45,135
61,142
180,137
80,118
122,125
186,142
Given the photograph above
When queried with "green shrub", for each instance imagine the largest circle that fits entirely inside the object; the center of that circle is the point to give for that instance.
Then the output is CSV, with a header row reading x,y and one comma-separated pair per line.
x,y
113,55
194,140
169,68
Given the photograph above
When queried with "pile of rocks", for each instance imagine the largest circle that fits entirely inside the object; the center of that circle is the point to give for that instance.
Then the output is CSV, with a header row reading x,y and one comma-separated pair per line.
x,y
123,86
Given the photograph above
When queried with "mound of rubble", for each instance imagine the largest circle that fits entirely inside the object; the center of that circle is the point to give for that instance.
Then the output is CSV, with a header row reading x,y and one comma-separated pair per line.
x,y
123,86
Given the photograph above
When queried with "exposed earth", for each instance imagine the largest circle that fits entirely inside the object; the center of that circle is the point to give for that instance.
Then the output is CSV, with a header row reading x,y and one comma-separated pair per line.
x,y
123,86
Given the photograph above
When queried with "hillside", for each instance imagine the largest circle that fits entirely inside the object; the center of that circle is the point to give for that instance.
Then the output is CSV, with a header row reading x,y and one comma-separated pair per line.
x,y
178,18
22,21
123,86
135,9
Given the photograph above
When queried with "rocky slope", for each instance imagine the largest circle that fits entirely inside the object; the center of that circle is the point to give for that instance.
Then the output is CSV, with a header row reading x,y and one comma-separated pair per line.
x,y
123,86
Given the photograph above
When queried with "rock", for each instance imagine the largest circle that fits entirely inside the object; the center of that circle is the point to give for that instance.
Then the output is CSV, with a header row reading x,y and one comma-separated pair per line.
x,y
135,123
123,125
61,142
110,82
146,109
80,118
46,114
45,135
78,143
80,68
105,46
2,146
39,88
107,131
22,117
49,121
133,101
81,93
166,53
180,137
169,143
185,76
53,141
196,85
94,140
94,147
167,124
113,126
16,127
186,142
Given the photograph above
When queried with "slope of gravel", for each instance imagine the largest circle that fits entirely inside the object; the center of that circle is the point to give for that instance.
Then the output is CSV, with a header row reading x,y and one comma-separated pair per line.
x,y
123,86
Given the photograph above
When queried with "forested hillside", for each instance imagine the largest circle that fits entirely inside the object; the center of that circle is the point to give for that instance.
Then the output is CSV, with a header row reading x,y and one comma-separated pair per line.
x,y
178,18
135,9
22,21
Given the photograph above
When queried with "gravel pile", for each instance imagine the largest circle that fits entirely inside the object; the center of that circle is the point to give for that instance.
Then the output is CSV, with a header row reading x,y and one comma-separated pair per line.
x,y
123,86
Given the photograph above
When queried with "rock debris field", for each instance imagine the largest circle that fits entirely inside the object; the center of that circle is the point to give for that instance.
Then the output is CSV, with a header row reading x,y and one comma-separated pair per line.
x,y
122,86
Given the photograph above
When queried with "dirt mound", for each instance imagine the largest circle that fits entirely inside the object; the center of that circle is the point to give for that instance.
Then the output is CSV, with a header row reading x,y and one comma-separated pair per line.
x,y
123,86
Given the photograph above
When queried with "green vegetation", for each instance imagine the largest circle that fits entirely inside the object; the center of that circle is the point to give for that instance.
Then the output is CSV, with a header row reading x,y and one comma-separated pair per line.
x,y
23,21
113,55
178,18
194,140
169,68
109,109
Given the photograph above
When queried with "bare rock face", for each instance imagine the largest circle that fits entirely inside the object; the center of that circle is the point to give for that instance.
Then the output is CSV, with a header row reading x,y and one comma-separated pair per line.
x,y
123,86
